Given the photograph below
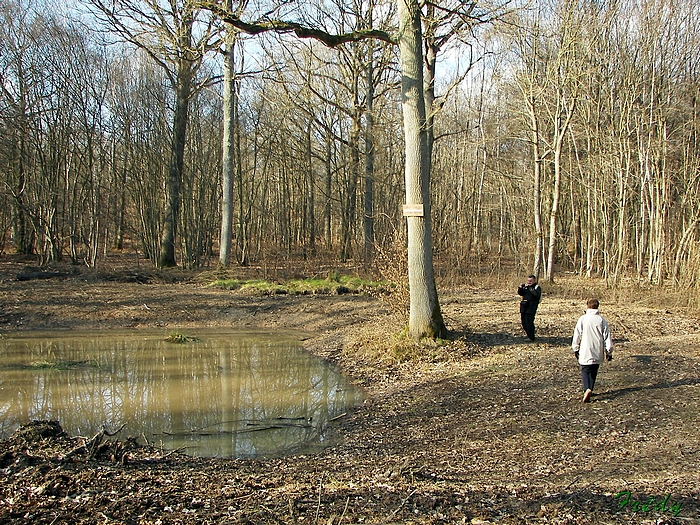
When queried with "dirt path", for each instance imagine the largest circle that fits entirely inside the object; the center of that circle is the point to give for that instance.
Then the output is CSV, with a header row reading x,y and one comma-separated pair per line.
x,y
485,429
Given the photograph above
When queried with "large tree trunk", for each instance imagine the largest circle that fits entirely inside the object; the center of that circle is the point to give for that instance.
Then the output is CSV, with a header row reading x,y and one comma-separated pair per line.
x,y
177,160
183,90
425,319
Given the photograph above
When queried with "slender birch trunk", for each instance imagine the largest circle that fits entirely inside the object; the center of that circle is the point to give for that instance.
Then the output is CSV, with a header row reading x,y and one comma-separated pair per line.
x,y
228,152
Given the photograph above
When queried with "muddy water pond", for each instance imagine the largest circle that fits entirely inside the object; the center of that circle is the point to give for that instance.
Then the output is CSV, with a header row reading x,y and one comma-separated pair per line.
x,y
211,393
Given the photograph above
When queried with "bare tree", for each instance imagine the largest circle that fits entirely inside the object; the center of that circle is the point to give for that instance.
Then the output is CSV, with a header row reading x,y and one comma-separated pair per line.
x,y
230,107
231,165
552,68
53,92
166,32
425,316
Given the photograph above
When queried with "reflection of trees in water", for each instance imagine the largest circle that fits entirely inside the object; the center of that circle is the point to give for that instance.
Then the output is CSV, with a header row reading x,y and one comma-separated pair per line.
x,y
225,395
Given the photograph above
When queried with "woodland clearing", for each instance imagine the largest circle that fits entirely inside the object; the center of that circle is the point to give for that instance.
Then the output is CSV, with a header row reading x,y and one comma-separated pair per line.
x,y
484,427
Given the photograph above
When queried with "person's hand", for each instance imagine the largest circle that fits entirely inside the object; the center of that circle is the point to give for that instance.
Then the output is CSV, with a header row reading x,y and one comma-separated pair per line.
x,y
576,354
608,357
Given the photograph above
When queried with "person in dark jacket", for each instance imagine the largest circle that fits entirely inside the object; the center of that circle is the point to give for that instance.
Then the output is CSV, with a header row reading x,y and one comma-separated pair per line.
x,y
530,293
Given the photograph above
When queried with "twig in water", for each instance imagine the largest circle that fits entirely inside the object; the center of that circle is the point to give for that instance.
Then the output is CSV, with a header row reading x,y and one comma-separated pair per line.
x,y
111,434
178,449
271,427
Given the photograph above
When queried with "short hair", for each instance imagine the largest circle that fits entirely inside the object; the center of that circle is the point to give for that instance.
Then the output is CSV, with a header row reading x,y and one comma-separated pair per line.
x,y
593,303
532,277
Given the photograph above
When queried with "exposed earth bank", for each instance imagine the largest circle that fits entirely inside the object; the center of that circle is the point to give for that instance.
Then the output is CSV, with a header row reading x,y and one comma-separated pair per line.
x,y
485,428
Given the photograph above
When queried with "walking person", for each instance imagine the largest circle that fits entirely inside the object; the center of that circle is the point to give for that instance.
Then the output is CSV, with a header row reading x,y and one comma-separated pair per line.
x,y
530,292
592,342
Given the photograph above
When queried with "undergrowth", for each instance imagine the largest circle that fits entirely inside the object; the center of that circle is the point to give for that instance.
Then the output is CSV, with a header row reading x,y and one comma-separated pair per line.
x,y
333,284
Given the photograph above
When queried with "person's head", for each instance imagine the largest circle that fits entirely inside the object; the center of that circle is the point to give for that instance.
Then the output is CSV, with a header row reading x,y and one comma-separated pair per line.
x,y
531,279
593,303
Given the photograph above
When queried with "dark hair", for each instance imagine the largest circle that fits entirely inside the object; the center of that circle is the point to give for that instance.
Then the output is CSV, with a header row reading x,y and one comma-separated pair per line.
x,y
532,277
593,303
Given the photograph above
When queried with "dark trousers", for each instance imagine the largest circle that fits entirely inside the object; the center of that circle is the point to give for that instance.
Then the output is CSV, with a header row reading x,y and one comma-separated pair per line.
x,y
528,322
588,374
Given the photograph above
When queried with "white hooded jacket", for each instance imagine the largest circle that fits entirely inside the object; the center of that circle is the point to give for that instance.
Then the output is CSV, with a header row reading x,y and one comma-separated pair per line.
x,y
592,338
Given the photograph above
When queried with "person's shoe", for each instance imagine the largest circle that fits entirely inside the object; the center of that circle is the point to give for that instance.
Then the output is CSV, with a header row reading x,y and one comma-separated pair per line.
x,y
587,395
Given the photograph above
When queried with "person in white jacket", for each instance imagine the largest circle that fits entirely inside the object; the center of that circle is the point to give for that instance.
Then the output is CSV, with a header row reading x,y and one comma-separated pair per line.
x,y
592,342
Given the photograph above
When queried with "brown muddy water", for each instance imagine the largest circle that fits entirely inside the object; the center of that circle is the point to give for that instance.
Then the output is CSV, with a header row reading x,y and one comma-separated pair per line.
x,y
213,394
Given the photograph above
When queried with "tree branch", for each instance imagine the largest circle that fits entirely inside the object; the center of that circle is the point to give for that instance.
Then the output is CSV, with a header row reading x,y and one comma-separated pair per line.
x,y
301,31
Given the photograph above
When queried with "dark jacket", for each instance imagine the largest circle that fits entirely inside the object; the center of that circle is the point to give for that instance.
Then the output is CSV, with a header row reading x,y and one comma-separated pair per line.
x,y
531,298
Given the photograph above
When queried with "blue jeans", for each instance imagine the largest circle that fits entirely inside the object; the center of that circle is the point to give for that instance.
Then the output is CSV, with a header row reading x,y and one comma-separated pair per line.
x,y
588,374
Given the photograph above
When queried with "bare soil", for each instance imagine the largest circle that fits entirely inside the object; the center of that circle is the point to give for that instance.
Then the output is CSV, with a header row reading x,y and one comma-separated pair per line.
x,y
485,427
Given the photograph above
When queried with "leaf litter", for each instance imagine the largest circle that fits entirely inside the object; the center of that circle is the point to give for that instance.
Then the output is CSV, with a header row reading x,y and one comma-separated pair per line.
x,y
483,428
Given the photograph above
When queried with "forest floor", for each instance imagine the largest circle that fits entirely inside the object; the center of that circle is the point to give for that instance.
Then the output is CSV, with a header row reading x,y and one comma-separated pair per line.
x,y
485,427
